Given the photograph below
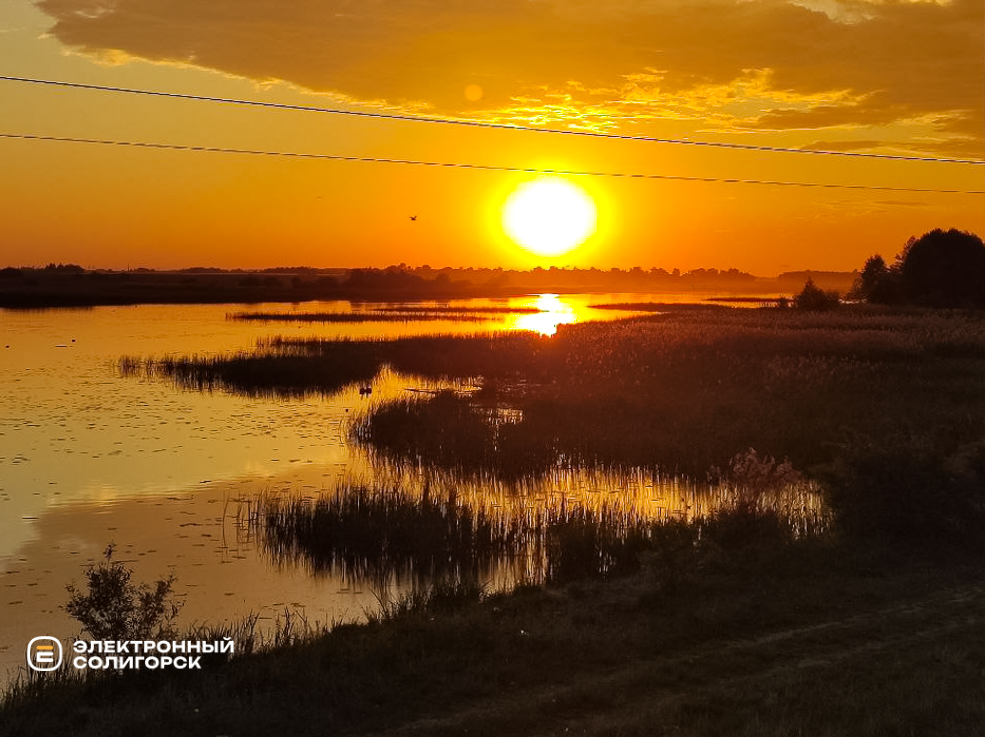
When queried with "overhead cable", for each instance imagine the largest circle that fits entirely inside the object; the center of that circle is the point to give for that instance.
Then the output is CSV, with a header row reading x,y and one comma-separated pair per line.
x,y
489,124
464,165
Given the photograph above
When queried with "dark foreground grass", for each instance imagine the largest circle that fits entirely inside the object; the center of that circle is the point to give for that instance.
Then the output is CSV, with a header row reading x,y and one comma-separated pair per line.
x,y
802,637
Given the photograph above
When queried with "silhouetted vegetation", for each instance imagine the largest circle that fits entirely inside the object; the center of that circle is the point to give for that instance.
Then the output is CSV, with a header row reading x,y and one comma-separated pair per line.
x,y
385,535
938,269
283,373
347,317
70,285
658,306
814,299
112,607
65,268
449,310
753,605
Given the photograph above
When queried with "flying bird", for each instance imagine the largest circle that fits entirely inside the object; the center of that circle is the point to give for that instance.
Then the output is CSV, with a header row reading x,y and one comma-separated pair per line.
x,y
413,217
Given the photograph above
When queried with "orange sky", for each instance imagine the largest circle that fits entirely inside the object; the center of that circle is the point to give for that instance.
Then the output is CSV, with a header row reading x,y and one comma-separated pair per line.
x,y
889,77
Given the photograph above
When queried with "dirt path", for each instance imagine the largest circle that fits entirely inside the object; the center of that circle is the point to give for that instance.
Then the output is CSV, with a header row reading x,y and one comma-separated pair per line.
x,y
643,690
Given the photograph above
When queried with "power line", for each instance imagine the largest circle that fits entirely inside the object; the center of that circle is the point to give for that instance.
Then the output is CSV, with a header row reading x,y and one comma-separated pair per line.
x,y
486,124
462,165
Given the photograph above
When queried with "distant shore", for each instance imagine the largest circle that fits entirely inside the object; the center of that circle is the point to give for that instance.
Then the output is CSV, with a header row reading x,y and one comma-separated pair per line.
x,y
69,286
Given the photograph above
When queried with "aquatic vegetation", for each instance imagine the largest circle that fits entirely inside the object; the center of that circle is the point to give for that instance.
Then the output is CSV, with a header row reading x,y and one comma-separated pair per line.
x,y
386,536
674,393
401,535
275,370
347,317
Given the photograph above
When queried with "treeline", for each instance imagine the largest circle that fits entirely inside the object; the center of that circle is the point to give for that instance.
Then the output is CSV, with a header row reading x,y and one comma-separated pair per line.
x,y
71,285
540,278
938,269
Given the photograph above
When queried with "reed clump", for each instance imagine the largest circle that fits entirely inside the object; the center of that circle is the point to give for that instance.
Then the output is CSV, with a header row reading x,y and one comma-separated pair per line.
x,y
388,536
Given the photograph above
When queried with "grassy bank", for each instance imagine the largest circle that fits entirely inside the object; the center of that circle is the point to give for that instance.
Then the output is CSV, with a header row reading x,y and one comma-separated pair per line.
x,y
780,637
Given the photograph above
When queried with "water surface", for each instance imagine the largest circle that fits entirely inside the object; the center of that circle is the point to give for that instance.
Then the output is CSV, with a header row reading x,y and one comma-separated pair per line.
x,y
88,457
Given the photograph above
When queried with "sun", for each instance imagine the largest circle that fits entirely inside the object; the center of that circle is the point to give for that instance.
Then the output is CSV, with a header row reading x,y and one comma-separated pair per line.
x,y
549,216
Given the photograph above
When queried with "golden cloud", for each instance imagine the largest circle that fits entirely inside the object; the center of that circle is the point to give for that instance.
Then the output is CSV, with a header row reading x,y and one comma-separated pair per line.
x,y
760,64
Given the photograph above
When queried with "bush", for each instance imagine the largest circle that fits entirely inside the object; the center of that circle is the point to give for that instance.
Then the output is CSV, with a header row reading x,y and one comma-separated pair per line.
x,y
814,299
904,490
114,608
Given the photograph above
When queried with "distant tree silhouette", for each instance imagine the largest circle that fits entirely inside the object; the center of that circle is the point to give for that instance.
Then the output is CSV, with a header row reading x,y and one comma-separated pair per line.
x,y
878,283
65,268
944,269
814,299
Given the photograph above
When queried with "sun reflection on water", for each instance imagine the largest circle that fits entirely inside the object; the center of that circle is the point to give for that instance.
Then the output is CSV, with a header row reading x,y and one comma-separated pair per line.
x,y
553,312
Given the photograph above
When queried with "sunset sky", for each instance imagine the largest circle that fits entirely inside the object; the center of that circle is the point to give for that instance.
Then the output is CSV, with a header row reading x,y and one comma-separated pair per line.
x,y
858,76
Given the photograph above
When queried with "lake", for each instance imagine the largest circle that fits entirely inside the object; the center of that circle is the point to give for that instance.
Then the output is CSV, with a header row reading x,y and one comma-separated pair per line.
x,y
89,457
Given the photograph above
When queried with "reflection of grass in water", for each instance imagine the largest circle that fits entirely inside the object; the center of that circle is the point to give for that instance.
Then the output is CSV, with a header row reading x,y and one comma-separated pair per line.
x,y
363,534
748,480
384,535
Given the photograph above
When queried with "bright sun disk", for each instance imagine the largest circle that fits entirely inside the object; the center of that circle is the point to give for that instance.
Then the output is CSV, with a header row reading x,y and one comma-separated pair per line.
x,y
549,216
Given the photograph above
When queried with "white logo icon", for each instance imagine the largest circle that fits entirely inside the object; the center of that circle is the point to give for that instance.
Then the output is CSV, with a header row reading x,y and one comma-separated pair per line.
x,y
44,653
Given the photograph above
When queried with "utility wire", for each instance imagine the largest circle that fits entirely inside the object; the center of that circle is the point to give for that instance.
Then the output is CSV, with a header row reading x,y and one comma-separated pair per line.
x,y
486,124
479,167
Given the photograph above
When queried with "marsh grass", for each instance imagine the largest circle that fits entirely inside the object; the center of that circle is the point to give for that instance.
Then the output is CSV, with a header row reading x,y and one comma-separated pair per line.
x,y
295,367
465,309
404,316
381,535
441,596
675,393
389,537
667,306
385,537
272,370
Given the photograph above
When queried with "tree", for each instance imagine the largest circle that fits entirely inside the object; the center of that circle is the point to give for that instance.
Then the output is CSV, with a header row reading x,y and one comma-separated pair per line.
x,y
814,299
878,283
944,269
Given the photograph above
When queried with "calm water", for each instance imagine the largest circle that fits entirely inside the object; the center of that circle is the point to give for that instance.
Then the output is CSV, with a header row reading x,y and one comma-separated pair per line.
x,y
88,457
